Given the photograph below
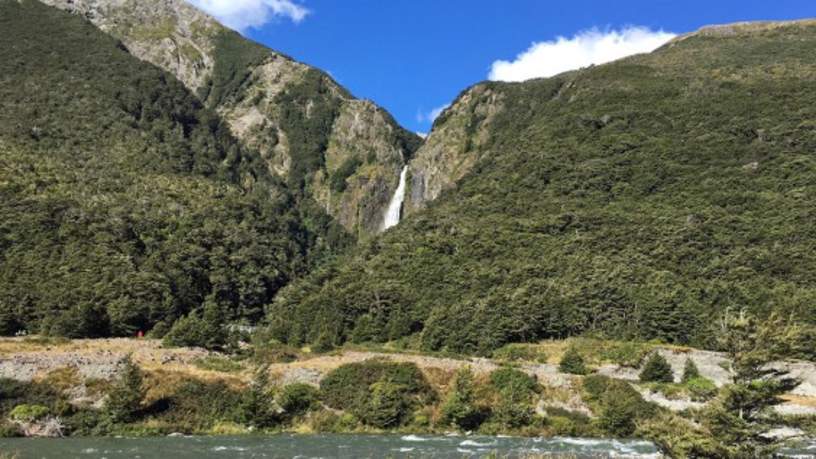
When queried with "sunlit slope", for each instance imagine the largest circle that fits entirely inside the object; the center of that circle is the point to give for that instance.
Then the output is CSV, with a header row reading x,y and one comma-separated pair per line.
x,y
638,199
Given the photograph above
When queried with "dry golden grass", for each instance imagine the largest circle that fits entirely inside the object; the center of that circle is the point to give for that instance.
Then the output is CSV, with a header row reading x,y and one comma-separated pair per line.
x,y
163,383
62,379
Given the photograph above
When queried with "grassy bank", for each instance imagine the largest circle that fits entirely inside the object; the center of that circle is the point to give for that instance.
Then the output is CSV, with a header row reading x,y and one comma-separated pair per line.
x,y
553,388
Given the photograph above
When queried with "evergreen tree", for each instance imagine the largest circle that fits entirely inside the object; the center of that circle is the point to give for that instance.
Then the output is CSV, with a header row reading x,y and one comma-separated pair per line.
x,y
690,371
741,417
459,408
657,369
125,398
257,407
573,363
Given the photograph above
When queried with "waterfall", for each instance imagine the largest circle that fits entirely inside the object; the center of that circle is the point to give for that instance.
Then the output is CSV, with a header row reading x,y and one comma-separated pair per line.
x,y
394,212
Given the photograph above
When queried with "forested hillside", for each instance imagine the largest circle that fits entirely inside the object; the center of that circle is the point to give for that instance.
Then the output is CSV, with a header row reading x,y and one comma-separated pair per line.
x,y
342,152
639,199
124,203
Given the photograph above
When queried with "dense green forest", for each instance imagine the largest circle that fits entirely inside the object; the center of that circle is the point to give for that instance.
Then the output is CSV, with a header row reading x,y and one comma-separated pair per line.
x,y
639,199
124,203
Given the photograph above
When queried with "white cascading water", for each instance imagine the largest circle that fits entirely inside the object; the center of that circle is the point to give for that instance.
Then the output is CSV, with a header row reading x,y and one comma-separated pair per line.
x,y
394,212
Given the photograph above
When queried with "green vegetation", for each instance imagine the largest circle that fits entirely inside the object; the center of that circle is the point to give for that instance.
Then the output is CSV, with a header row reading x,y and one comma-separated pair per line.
x,y
234,58
379,393
740,418
125,399
657,369
619,404
572,362
635,200
690,371
28,413
346,170
459,408
516,352
256,405
298,399
124,204
308,108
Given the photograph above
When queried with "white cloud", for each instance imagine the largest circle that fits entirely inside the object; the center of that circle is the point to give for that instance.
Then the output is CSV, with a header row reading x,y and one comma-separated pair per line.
x,y
244,14
588,47
432,115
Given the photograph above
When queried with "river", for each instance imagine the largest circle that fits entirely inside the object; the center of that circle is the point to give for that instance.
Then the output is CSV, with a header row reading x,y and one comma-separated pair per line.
x,y
336,446
322,446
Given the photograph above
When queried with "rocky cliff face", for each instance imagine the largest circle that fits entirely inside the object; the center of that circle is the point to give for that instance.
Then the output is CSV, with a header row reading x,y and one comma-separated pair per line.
x,y
343,152
453,147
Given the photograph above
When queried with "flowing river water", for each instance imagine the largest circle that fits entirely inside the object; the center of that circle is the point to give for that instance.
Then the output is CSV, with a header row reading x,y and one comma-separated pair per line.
x,y
287,446
323,446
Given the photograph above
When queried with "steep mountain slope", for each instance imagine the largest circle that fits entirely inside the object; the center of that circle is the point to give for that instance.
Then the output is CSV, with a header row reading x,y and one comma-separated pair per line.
x,y
343,152
636,199
124,203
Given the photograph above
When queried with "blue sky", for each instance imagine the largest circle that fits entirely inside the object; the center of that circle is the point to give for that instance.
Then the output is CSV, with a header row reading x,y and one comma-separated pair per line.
x,y
412,57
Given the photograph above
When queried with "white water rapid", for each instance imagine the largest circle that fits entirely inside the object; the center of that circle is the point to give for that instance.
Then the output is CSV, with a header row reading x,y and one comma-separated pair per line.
x,y
394,212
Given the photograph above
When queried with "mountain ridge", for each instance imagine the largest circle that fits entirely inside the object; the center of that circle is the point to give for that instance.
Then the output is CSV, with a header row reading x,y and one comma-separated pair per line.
x,y
349,170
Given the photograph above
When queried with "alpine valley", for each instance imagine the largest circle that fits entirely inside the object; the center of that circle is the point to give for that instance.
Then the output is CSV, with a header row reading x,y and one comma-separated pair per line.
x,y
627,250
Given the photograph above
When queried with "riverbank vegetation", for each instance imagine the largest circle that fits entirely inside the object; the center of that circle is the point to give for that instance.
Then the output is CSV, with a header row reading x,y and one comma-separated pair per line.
x,y
412,393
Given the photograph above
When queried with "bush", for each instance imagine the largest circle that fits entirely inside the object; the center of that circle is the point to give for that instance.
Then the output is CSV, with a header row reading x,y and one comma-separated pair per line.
x,y
512,414
387,406
197,406
459,408
514,384
690,371
327,421
657,369
346,170
257,405
350,384
620,405
29,413
572,362
125,398
297,399
701,389
515,352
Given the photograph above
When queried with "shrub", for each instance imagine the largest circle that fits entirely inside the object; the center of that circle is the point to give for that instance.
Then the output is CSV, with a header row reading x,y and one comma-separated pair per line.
x,y
257,405
512,414
28,413
701,389
459,408
515,352
657,369
620,405
346,170
348,384
387,406
572,362
327,421
198,405
297,399
513,384
690,371
125,397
